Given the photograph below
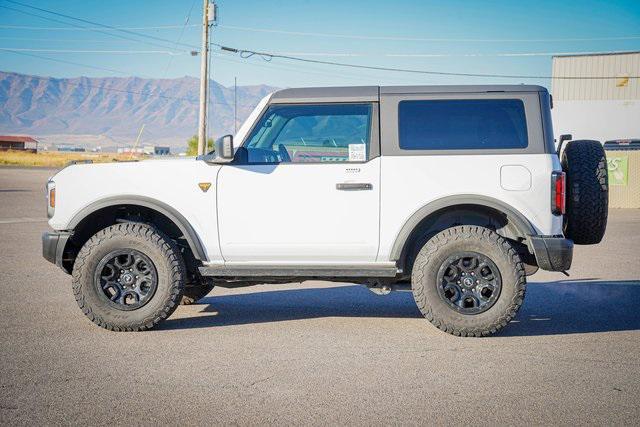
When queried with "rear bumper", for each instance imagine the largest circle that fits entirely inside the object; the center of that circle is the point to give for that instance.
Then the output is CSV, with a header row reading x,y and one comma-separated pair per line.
x,y
553,253
53,244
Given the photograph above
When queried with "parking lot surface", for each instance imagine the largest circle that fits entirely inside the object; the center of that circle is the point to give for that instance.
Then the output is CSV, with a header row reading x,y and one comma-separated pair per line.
x,y
316,353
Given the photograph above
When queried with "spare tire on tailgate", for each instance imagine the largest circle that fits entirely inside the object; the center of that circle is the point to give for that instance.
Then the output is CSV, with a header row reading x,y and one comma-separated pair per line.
x,y
585,165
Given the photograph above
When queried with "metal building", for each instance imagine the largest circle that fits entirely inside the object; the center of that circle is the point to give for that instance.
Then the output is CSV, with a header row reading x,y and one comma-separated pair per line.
x,y
18,142
601,109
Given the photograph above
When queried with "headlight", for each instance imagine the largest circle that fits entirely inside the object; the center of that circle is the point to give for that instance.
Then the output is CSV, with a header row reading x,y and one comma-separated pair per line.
x,y
51,198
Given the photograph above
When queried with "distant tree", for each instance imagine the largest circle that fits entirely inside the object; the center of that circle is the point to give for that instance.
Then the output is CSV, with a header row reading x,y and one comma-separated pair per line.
x,y
192,146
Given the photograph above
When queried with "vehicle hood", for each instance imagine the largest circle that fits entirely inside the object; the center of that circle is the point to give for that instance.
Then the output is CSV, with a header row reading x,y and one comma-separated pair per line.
x,y
175,182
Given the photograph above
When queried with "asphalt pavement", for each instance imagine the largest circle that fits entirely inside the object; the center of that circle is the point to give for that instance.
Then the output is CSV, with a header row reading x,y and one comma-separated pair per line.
x,y
316,353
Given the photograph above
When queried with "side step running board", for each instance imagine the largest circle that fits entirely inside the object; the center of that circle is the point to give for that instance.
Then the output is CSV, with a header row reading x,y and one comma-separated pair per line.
x,y
300,271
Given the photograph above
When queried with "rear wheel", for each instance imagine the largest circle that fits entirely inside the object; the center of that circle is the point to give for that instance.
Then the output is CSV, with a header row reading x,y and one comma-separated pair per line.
x,y
468,281
585,164
128,277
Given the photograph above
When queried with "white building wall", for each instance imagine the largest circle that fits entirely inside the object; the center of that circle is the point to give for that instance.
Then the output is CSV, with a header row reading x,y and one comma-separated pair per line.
x,y
601,109
599,120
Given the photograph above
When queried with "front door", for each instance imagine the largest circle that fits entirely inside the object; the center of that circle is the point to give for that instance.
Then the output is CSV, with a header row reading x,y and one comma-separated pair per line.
x,y
304,187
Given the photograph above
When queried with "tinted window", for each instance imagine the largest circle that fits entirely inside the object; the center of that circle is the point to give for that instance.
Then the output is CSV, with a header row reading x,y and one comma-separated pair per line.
x,y
462,124
311,133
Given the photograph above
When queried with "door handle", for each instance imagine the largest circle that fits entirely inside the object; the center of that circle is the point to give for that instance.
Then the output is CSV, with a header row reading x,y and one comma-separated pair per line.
x,y
354,186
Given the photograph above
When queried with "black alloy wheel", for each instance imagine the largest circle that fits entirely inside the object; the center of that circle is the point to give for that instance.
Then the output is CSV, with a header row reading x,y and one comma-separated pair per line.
x,y
127,279
469,282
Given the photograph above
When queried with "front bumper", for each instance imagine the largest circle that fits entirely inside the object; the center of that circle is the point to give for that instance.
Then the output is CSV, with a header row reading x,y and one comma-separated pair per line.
x,y
553,253
53,244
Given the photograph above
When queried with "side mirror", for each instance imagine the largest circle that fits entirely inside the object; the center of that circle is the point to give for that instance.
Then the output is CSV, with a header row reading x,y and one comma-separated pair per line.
x,y
224,149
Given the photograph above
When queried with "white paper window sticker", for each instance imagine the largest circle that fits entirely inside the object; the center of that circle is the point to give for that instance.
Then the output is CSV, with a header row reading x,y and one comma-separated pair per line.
x,y
357,152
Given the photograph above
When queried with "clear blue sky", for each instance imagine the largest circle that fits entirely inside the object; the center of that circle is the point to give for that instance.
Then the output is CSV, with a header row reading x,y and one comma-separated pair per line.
x,y
452,19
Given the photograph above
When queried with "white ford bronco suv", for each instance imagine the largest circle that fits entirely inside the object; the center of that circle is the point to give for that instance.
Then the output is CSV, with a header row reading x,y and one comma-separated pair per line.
x,y
457,191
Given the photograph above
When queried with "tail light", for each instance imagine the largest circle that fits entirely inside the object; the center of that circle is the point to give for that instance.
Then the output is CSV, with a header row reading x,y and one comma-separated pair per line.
x,y
558,193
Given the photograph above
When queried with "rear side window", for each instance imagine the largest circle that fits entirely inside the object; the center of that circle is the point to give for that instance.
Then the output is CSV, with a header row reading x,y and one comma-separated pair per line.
x,y
462,124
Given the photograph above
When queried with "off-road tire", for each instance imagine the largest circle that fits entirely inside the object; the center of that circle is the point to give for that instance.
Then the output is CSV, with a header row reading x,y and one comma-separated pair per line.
x,y
195,292
163,253
465,239
585,164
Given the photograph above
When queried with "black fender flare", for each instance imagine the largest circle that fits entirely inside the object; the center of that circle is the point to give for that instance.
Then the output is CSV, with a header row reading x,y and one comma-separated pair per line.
x,y
519,220
178,219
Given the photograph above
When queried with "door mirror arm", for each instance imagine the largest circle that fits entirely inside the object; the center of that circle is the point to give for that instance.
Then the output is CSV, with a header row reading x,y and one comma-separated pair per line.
x,y
223,151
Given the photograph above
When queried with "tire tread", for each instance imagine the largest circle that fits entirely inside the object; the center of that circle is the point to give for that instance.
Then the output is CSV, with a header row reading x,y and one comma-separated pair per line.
x,y
585,163
445,237
145,232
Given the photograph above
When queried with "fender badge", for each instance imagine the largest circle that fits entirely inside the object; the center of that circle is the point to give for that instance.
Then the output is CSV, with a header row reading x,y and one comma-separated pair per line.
x,y
204,186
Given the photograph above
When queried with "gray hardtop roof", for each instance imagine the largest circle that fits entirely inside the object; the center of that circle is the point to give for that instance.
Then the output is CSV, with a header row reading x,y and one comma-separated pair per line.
x,y
461,89
364,92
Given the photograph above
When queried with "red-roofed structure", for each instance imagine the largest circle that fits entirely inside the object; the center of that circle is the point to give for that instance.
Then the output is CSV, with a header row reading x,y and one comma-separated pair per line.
x,y
18,142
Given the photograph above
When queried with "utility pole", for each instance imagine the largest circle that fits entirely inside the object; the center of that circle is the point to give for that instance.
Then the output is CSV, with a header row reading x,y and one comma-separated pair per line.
x,y
204,76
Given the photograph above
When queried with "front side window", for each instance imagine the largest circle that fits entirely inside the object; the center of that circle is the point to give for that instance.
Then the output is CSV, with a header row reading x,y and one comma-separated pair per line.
x,y
311,134
462,124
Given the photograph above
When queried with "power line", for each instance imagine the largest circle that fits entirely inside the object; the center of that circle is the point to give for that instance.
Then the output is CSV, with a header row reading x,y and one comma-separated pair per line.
x,y
86,21
245,54
186,22
62,61
423,39
505,54
222,57
267,56
343,36
130,52
117,27
39,16
39,39
294,68
323,54
439,55
76,26
317,54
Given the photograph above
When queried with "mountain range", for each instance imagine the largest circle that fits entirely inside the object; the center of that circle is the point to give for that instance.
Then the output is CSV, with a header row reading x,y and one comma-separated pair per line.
x,y
110,111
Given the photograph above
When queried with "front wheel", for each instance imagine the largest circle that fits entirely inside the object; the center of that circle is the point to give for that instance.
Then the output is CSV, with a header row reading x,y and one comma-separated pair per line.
x,y
128,277
468,281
